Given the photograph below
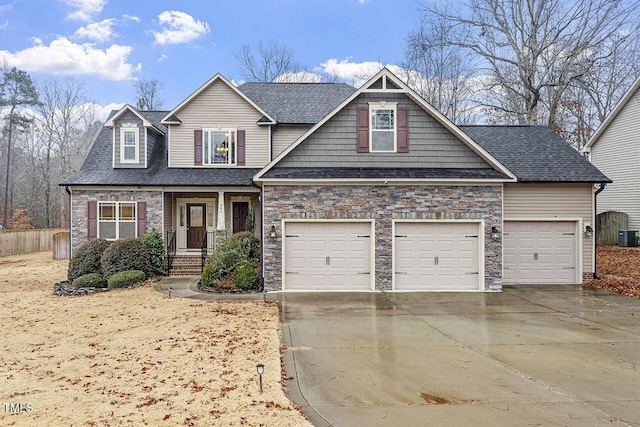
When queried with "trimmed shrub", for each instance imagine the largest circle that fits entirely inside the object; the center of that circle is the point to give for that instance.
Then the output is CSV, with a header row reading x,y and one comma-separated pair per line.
x,y
124,279
155,245
123,255
244,242
86,259
222,264
92,280
246,277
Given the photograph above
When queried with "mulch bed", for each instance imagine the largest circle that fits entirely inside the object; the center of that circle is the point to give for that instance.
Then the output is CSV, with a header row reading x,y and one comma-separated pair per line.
x,y
618,270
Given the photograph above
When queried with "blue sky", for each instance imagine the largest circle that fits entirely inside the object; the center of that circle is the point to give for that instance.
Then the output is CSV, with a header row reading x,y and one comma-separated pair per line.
x,y
110,43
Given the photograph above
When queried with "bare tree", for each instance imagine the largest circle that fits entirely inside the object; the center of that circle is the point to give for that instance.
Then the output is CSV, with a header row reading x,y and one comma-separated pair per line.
x,y
440,71
271,62
533,51
148,94
59,143
17,91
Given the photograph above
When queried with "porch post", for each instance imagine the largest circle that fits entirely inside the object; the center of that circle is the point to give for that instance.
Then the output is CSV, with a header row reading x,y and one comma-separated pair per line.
x,y
221,218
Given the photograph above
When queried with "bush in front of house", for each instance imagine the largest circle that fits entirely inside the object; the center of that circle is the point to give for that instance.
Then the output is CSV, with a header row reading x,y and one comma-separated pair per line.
x,y
124,279
246,277
244,242
91,280
124,255
86,259
155,245
235,261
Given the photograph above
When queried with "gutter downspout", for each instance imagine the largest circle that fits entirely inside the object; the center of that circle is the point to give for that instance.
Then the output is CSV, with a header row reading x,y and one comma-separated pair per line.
x,y
66,188
595,216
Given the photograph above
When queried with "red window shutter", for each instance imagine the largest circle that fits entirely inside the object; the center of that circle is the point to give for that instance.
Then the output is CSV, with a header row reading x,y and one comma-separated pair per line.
x,y
403,130
92,220
197,147
141,218
241,146
363,130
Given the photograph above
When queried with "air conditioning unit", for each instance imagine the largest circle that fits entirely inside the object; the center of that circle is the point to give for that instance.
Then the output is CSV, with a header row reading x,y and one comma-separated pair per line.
x,y
628,238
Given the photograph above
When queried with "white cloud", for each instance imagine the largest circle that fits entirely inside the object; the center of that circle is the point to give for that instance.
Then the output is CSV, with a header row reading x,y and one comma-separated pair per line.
x,y
163,58
179,27
131,18
355,72
85,9
97,31
62,56
5,25
103,111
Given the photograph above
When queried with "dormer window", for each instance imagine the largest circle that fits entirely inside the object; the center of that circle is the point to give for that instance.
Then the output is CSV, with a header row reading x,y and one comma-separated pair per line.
x,y
219,147
129,143
382,127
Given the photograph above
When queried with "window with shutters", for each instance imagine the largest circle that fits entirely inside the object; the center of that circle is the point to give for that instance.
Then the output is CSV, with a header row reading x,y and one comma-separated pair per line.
x,y
219,147
116,220
382,127
129,143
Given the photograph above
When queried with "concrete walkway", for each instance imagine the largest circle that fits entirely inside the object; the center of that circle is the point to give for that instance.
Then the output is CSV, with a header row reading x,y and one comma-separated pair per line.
x,y
526,356
187,287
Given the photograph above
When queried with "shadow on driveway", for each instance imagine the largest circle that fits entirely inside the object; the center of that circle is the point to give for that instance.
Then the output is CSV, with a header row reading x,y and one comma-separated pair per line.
x,y
561,355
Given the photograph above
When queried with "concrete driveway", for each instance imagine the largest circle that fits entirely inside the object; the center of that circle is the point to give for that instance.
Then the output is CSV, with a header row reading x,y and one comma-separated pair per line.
x,y
526,356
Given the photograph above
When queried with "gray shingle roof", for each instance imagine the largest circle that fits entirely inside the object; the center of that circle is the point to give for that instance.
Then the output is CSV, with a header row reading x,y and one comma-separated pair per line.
x,y
384,173
297,103
535,153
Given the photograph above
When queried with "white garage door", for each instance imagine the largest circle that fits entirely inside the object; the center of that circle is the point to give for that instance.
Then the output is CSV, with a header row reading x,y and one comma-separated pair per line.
x,y
539,252
438,256
331,256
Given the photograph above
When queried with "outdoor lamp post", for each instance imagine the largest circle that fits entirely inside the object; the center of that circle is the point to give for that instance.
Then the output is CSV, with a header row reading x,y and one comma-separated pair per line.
x,y
260,368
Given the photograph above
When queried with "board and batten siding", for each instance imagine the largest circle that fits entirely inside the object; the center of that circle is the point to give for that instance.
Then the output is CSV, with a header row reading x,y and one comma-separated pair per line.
x,y
218,106
285,135
617,154
430,144
553,200
129,117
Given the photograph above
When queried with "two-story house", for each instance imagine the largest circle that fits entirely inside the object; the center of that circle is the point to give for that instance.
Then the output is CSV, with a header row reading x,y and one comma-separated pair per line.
x,y
365,189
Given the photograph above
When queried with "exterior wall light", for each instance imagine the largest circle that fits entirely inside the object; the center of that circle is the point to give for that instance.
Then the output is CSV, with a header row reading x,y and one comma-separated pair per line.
x,y
260,368
272,233
495,233
588,230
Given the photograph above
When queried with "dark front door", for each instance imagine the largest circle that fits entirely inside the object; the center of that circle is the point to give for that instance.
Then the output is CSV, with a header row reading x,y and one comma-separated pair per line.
x,y
196,227
240,210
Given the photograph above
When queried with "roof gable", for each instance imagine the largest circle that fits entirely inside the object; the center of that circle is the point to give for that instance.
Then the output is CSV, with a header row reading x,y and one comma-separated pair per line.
x,y
628,96
146,122
172,117
387,82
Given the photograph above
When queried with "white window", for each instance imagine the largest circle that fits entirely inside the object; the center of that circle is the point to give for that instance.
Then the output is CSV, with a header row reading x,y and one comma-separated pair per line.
x,y
382,127
116,220
129,143
219,147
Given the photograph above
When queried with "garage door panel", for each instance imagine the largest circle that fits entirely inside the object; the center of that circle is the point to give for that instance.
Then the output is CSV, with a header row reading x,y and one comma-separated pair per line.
x,y
539,252
327,256
436,256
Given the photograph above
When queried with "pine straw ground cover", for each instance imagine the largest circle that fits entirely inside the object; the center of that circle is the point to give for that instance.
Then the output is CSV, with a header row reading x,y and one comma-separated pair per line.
x,y
133,356
618,270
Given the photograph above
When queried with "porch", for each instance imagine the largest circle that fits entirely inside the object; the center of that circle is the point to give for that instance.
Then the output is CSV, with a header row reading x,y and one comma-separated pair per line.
x,y
196,221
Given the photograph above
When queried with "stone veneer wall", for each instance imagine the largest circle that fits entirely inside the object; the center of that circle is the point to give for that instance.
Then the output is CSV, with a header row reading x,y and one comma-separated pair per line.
x,y
383,204
79,199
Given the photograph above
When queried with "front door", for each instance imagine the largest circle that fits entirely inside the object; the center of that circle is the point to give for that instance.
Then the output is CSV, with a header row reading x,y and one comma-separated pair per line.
x,y
240,210
196,227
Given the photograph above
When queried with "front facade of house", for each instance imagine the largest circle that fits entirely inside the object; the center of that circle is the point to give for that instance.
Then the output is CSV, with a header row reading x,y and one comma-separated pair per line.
x,y
351,190
615,149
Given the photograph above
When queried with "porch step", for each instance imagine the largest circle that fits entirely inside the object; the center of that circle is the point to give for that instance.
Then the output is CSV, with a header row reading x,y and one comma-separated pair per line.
x,y
186,265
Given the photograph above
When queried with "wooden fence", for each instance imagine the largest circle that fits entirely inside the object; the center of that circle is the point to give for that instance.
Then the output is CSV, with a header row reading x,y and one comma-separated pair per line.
x,y
24,242
607,226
